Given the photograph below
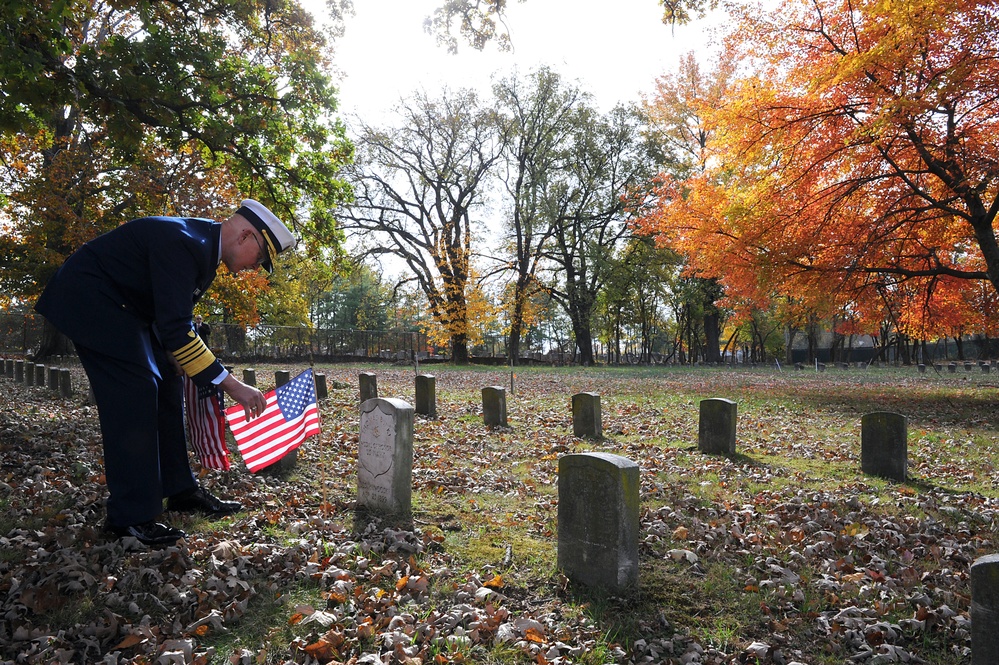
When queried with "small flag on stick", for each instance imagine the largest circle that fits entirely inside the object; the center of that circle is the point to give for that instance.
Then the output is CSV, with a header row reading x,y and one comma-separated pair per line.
x,y
291,416
205,425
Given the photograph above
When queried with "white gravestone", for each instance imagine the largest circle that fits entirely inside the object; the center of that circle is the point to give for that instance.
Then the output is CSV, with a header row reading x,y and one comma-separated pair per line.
x,y
385,457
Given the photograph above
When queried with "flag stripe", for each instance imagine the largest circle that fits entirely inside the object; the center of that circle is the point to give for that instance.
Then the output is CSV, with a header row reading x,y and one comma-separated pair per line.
x,y
206,427
270,436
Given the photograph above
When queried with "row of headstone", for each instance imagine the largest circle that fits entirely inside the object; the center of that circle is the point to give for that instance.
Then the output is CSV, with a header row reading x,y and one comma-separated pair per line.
x,y
585,406
598,514
599,503
282,377
883,438
984,366
884,448
59,379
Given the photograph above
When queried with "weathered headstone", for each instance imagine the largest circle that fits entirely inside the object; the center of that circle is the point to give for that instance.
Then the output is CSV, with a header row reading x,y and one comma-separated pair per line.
x,y
821,367
281,377
250,376
716,427
19,371
65,383
385,457
586,415
598,520
883,445
985,610
368,385
29,374
494,406
986,368
40,371
426,395
922,368
952,368
321,390
10,368
967,366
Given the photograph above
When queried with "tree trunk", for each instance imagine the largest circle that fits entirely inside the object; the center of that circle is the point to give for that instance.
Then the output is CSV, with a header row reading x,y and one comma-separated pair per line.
x,y
459,349
584,338
903,348
813,343
712,338
513,341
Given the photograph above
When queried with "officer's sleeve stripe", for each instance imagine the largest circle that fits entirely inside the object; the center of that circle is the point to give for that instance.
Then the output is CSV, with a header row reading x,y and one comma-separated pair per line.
x,y
194,357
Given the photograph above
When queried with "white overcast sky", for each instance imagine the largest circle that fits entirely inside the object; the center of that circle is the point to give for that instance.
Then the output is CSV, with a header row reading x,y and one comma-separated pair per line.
x,y
613,48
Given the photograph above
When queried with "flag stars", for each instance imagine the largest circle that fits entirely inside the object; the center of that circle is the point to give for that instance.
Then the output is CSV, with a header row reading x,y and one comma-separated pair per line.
x,y
294,396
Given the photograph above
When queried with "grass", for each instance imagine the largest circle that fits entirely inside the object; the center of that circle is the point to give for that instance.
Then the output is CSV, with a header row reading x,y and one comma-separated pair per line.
x,y
485,502
800,435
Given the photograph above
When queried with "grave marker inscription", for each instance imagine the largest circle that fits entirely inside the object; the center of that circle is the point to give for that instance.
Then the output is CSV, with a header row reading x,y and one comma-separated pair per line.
x,y
385,457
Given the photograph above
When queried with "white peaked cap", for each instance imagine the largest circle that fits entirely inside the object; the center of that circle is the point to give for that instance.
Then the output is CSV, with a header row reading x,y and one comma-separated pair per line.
x,y
275,233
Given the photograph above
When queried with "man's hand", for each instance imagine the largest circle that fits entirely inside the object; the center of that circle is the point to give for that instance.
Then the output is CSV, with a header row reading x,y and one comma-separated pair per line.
x,y
251,399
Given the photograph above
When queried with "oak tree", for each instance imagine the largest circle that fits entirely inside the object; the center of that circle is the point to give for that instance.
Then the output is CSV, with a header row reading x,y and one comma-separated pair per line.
x,y
419,188
537,114
607,165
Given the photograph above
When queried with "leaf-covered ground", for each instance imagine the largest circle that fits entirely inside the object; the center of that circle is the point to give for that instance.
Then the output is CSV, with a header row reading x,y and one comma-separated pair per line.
x,y
785,553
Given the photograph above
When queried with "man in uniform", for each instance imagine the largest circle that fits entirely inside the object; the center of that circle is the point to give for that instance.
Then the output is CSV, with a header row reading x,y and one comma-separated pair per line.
x,y
126,300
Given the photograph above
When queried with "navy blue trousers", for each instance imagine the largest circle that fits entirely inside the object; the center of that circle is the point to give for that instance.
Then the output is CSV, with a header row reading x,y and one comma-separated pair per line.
x,y
142,424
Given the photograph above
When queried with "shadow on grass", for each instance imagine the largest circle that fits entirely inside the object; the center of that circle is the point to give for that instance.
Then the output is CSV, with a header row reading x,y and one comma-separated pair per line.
x,y
921,410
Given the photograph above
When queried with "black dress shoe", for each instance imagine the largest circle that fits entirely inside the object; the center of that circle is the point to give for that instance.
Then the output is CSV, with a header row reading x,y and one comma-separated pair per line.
x,y
152,533
201,501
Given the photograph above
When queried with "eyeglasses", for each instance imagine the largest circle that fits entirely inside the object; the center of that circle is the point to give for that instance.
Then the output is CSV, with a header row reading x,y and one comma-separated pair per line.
x,y
262,256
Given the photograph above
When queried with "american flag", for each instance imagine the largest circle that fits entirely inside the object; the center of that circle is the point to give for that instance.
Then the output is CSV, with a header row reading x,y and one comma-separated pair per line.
x,y
206,426
290,417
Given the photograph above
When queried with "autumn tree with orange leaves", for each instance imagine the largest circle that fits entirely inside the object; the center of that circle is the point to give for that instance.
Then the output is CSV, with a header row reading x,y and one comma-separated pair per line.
x,y
856,161
677,116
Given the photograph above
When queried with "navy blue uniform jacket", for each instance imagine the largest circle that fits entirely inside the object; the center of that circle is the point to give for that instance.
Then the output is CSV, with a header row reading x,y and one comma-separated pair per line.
x,y
136,286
